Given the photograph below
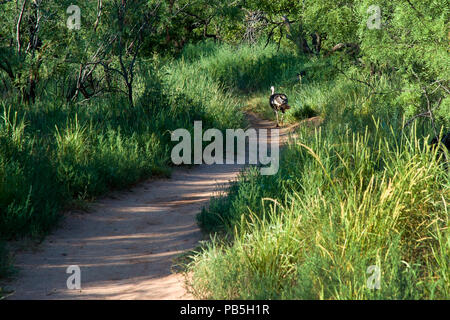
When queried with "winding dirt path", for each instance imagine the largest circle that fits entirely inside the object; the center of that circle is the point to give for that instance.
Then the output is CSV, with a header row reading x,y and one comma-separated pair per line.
x,y
126,246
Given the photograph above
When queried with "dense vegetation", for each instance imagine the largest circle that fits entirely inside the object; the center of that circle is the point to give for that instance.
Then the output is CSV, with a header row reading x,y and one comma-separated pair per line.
x,y
365,189
358,191
69,130
91,109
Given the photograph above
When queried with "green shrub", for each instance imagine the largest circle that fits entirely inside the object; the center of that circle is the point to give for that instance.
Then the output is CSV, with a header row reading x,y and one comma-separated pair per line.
x,y
53,152
358,192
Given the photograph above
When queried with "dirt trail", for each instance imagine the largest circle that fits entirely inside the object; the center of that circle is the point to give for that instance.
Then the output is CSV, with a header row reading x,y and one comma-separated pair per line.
x,y
126,246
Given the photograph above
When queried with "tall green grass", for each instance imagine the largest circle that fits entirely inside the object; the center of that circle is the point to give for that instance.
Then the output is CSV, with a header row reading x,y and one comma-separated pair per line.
x,y
54,154
342,201
360,191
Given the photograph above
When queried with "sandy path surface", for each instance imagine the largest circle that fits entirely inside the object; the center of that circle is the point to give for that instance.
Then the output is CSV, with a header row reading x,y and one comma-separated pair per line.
x,y
126,245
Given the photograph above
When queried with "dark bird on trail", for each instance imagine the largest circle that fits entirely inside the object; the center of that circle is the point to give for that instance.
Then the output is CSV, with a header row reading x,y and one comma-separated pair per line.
x,y
279,102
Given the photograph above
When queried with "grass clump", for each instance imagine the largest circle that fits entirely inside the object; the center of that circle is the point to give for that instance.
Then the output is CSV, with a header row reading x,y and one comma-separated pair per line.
x,y
341,203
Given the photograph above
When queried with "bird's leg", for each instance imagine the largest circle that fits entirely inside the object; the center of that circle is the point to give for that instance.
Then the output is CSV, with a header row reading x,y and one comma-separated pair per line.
x,y
276,112
282,118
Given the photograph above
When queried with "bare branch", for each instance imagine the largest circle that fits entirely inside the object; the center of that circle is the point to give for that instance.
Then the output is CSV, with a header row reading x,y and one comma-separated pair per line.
x,y
427,114
19,22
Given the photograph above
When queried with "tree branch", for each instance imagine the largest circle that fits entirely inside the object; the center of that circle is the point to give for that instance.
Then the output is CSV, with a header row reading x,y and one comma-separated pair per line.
x,y
19,22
